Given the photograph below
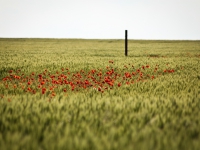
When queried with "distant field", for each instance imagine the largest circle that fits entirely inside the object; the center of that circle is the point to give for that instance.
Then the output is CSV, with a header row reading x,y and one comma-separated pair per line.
x,y
85,94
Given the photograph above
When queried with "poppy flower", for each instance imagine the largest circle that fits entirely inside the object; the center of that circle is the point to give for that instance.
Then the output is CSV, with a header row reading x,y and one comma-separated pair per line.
x,y
43,90
53,94
138,70
119,84
127,75
143,67
42,83
40,76
99,89
110,83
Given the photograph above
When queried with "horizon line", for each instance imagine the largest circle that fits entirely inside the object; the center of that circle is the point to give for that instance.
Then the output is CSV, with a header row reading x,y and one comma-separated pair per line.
x,y
96,38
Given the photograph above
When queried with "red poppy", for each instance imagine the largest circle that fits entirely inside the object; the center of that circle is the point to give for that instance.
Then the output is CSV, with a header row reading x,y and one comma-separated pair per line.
x,y
127,75
110,83
143,67
53,94
43,90
119,84
138,70
40,76
99,89
42,83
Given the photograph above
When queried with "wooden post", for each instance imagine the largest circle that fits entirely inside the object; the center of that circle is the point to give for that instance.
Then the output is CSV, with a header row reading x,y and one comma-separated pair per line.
x,y
126,43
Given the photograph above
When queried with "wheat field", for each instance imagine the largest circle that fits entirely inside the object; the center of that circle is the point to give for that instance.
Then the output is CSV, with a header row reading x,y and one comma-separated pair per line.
x,y
85,94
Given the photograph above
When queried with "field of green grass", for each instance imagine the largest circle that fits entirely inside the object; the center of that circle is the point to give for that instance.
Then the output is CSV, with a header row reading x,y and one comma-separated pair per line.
x,y
59,94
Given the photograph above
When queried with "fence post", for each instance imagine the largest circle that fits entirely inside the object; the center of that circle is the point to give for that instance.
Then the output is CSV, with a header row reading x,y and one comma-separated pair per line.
x,y
126,43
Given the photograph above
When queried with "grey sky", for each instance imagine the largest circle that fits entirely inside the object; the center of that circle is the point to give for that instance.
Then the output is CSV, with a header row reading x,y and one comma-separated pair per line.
x,y
101,19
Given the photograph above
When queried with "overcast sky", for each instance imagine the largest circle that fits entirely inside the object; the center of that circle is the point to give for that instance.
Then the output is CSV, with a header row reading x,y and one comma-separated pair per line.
x,y
100,19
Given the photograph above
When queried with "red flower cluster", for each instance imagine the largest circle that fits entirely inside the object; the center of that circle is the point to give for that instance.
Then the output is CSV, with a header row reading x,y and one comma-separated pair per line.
x,y
98,79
